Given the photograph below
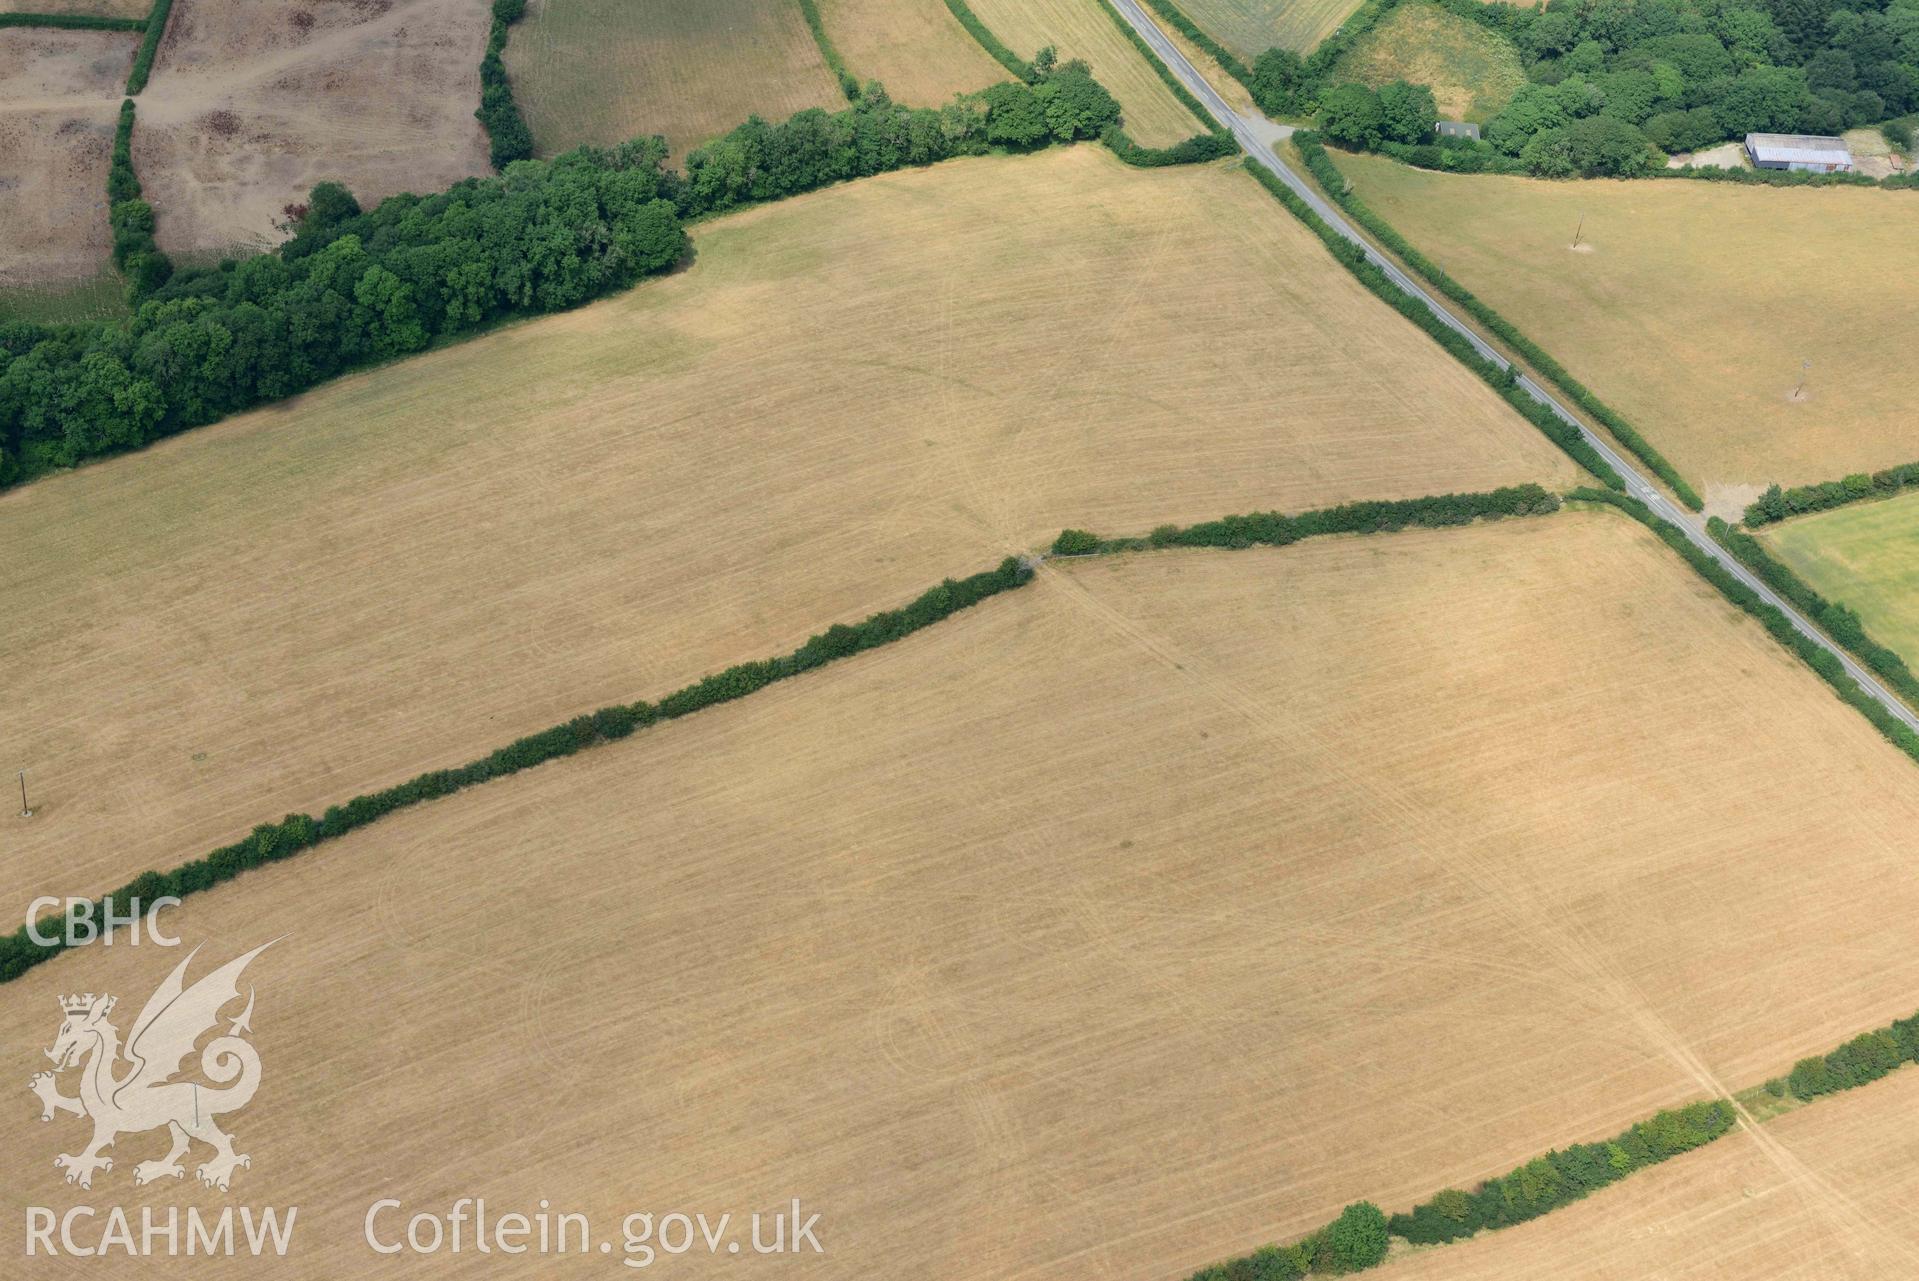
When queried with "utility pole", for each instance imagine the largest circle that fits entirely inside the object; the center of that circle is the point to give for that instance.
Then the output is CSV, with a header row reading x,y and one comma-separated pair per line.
x,y
1804,367
26,811
1579,231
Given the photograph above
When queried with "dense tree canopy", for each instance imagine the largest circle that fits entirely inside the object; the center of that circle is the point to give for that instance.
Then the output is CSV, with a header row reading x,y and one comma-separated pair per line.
x,y
1675,75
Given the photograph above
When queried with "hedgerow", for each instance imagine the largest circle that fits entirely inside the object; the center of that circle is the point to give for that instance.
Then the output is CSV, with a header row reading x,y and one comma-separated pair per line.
x,y
1334,184
1228,60
353,286
131,219
1816,656
72,21
1561,1176
1503,381
1275,529
272,842
849,83
156,27
1838,621
1778,504
498,113
990,42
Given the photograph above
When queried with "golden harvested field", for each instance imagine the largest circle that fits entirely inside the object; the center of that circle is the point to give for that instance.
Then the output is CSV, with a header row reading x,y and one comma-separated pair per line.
x,y
849,396
1694,308
1080,29
1866,555
59,101
1250,27
1146,913
1824,1194
1473,72
604,71
251,103
916,48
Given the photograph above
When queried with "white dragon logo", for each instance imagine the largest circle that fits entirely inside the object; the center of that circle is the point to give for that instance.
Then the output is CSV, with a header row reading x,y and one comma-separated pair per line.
x,y
144,1097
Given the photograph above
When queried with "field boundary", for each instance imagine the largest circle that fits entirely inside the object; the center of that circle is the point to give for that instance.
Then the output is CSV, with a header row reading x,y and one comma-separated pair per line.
x,y
1562,1176
848,82
508,138
1816,656
990,42
1778,504
1228,60
1503,381
1164,72
1835,618
155,27
272,842
1213,142
1334,184
1275,529
136,254
72,21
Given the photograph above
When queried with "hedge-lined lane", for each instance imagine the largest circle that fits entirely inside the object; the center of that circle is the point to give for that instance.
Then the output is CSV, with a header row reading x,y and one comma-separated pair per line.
x,y
1364,261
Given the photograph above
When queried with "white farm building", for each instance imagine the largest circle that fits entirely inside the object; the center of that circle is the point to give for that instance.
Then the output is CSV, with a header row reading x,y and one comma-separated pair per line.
x,y
1805,153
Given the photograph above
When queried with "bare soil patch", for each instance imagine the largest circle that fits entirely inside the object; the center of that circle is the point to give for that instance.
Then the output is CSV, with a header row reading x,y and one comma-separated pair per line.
x,y
1147,913
848,397
253,102
59,101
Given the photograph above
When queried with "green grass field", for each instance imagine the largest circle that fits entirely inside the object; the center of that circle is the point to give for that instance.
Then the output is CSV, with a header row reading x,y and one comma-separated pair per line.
x,y
1866,555
1473,72
603,71
1250,27
102,298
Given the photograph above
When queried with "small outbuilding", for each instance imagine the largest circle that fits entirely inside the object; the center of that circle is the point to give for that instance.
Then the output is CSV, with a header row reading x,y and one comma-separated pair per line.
x,y
1456,129
1799,152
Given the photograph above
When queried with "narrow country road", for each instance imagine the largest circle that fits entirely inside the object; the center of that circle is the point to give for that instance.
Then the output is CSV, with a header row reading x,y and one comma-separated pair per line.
x,y
1693,526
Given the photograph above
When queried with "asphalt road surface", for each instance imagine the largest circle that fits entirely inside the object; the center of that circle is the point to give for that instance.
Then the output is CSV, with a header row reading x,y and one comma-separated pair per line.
x,y
1693,526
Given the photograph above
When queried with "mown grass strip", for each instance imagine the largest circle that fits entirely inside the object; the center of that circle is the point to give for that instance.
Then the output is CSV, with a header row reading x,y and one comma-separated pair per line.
x,y
272,842
1353,258
72,21
1334,184
849,83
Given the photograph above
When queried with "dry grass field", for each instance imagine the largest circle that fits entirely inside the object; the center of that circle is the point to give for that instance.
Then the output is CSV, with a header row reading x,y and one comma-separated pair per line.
x,y
59,101
1825,1194
849,396
1250,27
252,103
1694,307
916,48
102,8
1080,29
1473,72
1866,555
1141,915
603,71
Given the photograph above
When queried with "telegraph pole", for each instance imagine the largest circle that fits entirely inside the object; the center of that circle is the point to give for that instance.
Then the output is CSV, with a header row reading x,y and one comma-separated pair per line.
x,y
1804,367
1579,231
26,810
